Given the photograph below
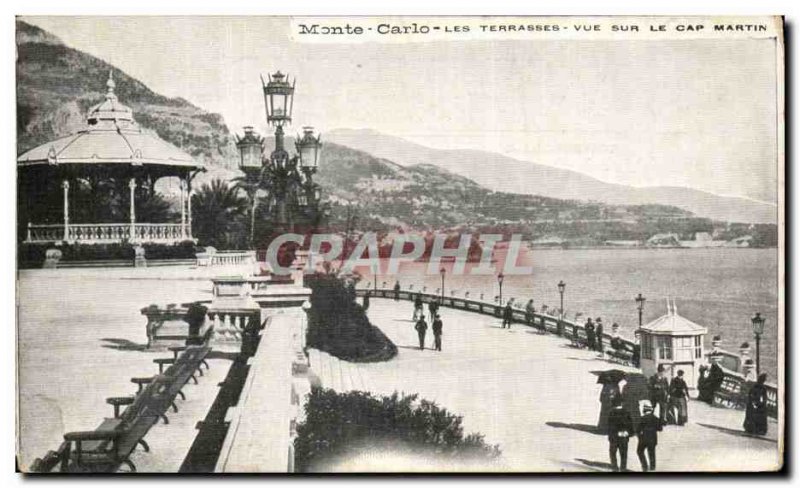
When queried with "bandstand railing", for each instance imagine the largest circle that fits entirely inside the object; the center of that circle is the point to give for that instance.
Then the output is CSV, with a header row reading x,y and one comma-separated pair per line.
x,y
166,233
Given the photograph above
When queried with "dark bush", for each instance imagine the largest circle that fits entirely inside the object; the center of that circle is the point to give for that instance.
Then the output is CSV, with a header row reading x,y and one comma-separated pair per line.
x,y
339,326
182,250
32,255
344,425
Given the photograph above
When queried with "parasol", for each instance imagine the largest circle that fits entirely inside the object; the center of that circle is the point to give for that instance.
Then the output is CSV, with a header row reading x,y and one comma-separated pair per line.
x,y
609,376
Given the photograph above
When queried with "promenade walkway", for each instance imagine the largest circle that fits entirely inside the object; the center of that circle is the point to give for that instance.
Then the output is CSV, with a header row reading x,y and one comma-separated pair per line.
x,y
534,395
80,338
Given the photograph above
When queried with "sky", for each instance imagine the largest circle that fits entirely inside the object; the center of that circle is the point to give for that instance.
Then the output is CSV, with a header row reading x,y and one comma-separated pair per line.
x,y
692,113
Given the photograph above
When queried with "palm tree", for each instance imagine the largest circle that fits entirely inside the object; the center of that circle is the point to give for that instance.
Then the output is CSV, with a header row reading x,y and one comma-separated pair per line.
x,y
250,183
217,209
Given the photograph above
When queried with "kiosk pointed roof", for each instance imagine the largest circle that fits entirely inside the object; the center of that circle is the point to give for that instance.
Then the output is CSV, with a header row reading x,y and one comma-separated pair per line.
x,y
673,324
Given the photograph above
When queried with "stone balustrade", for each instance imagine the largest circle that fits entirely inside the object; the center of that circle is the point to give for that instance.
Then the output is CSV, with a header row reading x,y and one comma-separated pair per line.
x,y
163,233
166,324
263,423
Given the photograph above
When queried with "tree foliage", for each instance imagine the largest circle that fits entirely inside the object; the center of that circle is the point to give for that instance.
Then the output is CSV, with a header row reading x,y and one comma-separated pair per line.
x,y
342,425
219,216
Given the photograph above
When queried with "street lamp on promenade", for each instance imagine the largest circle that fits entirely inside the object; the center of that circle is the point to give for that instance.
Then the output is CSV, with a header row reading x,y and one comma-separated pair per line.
x,y
561,288
640,306
442,272
286,180
500,279
758,329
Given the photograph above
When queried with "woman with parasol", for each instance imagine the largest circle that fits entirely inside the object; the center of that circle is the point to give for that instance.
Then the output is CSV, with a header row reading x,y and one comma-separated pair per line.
x,y
610,380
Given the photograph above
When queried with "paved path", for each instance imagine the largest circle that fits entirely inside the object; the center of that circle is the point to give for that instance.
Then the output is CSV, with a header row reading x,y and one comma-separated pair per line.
x,y
80,340
535,396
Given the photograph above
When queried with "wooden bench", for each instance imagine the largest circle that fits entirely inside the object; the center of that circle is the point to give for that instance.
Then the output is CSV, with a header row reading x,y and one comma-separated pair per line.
x,y
182,368
110,445
52,460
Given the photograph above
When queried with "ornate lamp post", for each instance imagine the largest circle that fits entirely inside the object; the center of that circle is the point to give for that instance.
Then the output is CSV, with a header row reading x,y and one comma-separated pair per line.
x,y
561,288
442,272
640,306
287,180
500,279
758,329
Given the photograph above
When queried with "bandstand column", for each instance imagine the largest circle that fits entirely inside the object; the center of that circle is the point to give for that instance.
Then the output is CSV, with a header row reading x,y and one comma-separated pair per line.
x,y
183,209
65,186
189,208
132,186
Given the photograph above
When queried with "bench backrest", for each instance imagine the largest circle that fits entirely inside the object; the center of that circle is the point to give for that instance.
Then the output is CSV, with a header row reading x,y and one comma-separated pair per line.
x,y
143,400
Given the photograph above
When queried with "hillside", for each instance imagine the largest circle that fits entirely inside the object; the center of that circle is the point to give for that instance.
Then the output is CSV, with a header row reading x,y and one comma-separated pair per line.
x,y
390,196
57,84
491,170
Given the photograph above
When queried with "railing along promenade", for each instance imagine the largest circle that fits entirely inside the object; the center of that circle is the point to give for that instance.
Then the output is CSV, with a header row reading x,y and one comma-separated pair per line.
x,y
732,392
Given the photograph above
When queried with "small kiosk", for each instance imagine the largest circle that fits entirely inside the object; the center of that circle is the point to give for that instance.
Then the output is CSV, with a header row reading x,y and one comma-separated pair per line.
x,y
676,343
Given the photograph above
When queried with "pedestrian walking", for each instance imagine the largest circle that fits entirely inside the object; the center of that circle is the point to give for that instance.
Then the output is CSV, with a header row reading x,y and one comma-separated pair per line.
x,y
530,313
508,314
659,392
417,309
714,382
620,429
396,290
755,418
647,432
678,396
609,392
588,329
433,309
598,339
703,393
422,328
437,332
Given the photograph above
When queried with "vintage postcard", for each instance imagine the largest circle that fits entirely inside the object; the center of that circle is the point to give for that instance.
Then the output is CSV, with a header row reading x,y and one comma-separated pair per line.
x,y
400,244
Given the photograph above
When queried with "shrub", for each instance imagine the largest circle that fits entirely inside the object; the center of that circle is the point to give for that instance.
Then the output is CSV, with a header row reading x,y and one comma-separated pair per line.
x,y
339,326
344,425
32,255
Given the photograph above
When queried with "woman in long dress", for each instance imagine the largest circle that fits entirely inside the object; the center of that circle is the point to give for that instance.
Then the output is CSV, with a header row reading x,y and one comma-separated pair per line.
x,y
607,395
755,418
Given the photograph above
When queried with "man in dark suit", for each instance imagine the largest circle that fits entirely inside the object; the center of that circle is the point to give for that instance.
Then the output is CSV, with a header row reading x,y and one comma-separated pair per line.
x,y
620,428
659,392
422,328
598,336
508,314
433,309
396,290
437,332
649,426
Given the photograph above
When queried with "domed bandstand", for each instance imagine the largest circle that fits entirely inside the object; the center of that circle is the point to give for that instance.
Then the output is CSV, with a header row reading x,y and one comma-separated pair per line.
x,y
89,186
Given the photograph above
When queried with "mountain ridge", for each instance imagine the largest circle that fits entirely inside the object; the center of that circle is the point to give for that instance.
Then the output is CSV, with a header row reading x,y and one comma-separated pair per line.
x,y
485,168
57,84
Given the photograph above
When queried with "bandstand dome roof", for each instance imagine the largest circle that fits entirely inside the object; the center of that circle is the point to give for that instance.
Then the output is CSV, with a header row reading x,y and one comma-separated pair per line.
x,y
111,136
673,324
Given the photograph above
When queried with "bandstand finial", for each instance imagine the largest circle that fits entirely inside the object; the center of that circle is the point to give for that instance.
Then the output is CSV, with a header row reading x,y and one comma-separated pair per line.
x,y
110,83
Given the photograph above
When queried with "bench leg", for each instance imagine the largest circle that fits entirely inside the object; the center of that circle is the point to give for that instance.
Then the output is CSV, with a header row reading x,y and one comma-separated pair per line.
x,y
144,445
200,370
130,464
203,362
195,380
164,418
183,396
174,407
